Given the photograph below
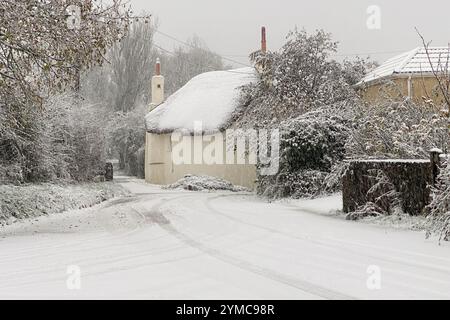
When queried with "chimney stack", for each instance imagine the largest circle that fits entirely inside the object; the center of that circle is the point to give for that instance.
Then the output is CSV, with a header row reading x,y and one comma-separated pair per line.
x,y
158,67
157,86
263,40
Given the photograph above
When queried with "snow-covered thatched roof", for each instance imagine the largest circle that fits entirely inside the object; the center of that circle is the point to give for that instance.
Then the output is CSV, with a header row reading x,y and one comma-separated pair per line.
x,y
412,62
210,97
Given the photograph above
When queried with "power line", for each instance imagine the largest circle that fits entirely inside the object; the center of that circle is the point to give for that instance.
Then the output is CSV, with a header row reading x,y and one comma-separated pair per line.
x,y
224,56
366,53
162,49
335,54
190,45
173,54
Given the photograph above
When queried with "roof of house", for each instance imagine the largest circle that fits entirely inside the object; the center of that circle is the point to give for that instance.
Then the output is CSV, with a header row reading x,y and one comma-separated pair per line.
x,y
412,62
210,97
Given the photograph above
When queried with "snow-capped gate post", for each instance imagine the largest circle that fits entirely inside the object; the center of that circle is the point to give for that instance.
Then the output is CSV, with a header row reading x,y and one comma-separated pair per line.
x,y
435,161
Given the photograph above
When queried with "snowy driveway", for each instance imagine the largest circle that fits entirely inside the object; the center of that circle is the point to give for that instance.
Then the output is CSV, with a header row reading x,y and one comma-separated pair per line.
x,y
160,244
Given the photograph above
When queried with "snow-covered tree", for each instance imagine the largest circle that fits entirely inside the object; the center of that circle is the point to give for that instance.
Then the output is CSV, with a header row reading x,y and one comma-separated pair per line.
x,y
44,46
67,143
126,134
131,67
311,98
188,61
300,77
39,50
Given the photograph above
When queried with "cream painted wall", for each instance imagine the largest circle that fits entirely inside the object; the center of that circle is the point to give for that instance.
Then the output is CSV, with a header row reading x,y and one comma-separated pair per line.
x,y
398,90
160,169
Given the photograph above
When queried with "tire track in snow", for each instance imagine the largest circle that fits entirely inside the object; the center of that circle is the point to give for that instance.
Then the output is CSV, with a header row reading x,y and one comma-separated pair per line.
x,y
330,245
156,215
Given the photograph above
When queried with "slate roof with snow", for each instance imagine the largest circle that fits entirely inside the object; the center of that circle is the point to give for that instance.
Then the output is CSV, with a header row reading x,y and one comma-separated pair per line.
x,y
210,97
411,62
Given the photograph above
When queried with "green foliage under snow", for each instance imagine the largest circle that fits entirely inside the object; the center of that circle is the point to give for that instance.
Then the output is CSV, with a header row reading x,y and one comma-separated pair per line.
x,y
312,148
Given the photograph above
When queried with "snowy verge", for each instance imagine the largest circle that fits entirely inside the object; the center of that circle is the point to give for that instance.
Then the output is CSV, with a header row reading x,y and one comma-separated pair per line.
x,y
33,200
329,205
332,206
204,183
400,221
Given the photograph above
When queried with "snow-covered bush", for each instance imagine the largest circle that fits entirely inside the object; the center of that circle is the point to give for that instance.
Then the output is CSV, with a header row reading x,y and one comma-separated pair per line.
x,y
299,184
33,200
64,140
398,130
298,78
311,146
203,183
11,173
87,143
314,140
439,208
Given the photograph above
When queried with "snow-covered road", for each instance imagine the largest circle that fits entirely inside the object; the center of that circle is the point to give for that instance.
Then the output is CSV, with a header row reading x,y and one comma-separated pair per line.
x,y
161,244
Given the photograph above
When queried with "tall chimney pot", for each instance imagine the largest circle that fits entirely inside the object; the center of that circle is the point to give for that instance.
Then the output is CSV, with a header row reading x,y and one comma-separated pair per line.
x,y
263,40
158,67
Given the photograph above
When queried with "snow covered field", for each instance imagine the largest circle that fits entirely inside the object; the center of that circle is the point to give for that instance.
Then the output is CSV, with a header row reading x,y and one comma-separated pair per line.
x,y
169,244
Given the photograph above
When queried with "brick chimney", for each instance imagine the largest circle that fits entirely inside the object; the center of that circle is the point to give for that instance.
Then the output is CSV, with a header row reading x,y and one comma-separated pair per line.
x,y
158,67
263,40
157,86
259,55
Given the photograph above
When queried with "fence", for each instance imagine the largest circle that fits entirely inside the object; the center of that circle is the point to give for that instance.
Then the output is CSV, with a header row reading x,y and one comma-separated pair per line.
x,y
411,179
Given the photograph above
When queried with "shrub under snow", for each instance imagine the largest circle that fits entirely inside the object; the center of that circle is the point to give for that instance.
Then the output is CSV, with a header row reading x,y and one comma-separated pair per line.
x,y
202,183
439,216
312,147
398,130
33,200
64,140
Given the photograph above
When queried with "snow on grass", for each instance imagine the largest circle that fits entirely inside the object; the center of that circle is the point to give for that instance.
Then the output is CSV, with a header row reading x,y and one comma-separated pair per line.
x,y
33,200
326,205
332,206
204,183
401,221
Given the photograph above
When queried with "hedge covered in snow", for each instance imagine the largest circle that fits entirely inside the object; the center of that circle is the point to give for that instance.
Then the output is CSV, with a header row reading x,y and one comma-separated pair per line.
x,y
32,200
312,148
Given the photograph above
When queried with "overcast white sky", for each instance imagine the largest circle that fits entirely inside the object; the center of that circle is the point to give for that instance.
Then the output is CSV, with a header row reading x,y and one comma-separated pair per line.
x,y
232,27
